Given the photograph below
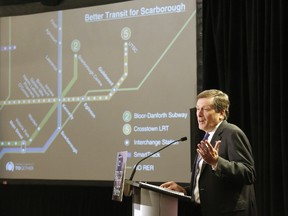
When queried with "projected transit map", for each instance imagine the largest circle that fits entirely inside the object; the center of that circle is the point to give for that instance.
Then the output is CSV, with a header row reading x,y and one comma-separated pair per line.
x,y
77,86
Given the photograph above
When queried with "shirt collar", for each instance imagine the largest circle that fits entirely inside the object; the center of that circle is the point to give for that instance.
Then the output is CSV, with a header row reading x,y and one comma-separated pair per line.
x,y
211,133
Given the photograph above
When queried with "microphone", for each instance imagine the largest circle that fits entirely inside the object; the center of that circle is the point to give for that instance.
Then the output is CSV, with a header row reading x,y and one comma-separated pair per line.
x,y
135,167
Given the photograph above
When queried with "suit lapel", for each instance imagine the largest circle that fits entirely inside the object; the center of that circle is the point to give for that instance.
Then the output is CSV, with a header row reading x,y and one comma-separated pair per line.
x,y
216,136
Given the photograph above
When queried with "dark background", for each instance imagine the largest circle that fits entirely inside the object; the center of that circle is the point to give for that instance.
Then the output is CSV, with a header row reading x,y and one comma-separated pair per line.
x,y
243,49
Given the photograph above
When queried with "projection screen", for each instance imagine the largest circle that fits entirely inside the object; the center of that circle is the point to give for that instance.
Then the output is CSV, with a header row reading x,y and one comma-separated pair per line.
x,y
79,85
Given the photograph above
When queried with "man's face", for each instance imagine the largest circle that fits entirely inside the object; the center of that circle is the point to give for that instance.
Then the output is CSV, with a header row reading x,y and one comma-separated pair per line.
x,y
207,117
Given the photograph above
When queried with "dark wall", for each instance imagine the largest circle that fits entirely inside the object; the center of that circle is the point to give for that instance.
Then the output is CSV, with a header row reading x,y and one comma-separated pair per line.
x,y
36,6
60,200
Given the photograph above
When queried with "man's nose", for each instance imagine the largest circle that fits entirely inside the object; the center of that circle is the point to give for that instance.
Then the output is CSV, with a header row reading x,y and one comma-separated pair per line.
x,y
199,113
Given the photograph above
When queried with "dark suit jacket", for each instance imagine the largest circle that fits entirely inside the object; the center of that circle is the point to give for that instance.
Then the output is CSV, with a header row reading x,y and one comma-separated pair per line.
x,y
230,189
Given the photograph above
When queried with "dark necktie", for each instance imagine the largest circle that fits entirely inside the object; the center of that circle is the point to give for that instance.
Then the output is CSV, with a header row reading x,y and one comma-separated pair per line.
x,y
197,168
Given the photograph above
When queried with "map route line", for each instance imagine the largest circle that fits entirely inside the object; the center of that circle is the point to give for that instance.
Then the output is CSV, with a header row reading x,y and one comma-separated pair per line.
x,y
74,79
61,96
162,55
9,66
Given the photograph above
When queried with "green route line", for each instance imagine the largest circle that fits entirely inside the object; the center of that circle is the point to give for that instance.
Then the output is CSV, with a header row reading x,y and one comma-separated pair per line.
x,y
120,81
43,122
9,66
110,91
157,62
166,50
72,82
37,130
126,70
74,79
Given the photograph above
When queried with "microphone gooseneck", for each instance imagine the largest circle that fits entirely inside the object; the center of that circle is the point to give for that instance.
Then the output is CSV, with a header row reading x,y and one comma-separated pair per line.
x,y
135,167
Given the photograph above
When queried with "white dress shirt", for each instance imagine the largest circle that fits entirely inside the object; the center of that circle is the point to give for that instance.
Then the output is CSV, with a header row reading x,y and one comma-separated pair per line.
x,y
196,189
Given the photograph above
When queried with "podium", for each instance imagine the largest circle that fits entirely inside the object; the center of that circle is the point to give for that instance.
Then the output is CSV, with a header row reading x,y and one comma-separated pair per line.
x,y
152,200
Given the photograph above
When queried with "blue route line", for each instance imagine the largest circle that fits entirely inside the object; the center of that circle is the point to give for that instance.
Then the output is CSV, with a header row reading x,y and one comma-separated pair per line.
x,y
59,106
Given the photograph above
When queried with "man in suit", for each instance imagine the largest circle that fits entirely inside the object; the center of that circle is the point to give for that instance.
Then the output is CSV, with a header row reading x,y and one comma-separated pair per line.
x,y
223,175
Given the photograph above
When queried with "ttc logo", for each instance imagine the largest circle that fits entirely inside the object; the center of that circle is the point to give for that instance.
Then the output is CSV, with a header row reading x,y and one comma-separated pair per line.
x,y
10,166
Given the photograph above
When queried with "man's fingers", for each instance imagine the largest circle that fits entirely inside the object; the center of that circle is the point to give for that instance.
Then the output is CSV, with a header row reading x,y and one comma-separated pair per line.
x,y
217,145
